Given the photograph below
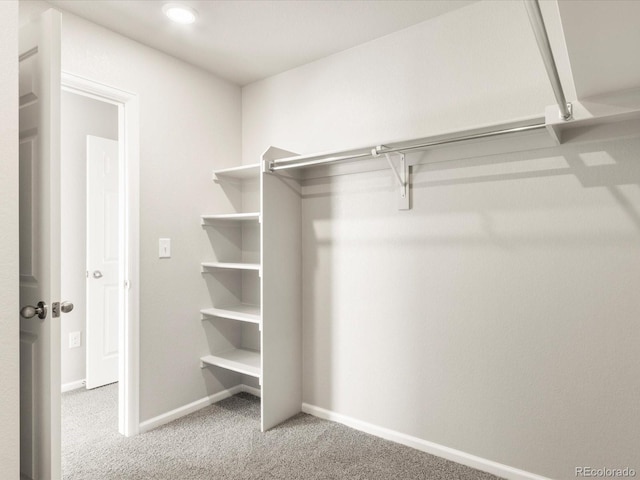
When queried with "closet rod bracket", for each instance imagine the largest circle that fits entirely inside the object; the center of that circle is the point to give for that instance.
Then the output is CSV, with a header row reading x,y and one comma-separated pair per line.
x,y
401,176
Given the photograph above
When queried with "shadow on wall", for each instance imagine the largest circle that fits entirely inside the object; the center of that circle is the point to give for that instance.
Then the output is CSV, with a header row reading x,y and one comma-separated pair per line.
x,y
500,311
610,166
317,302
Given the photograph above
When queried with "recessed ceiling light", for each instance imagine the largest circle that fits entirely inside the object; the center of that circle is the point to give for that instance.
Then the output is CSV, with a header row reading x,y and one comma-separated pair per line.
x,y
180,13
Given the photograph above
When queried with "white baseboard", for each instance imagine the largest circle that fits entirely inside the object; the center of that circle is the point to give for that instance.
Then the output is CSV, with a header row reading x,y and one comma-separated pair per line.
x,y
452,454
67,387
195,406
252,390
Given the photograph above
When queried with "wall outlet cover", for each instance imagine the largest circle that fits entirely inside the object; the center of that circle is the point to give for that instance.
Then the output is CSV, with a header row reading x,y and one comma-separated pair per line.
x,y
74,339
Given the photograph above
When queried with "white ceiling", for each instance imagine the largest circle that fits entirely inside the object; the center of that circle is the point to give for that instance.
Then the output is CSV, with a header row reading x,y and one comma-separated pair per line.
x,y
245,41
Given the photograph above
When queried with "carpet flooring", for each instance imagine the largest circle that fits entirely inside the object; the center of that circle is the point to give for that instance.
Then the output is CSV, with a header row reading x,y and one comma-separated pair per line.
x,y
223,441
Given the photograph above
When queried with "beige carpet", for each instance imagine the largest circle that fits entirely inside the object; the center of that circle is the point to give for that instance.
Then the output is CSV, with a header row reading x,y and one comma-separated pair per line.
x,y
224,441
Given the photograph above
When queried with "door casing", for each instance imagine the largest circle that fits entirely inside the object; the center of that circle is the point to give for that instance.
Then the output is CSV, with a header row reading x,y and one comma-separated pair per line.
x,y
128,241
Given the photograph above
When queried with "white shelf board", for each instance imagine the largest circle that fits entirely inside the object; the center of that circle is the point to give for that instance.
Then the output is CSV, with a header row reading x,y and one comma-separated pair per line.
x,y
238,360
232,266
230,218
242,172
241,312
233,216
598,118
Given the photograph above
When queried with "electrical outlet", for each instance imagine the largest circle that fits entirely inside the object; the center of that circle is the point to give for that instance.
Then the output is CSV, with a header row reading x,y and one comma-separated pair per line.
x,y
74,339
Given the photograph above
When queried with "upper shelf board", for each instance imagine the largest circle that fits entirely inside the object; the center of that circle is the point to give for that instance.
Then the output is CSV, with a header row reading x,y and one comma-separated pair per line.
x,y
233,266
238,173
230,218
598,118
241,312
238,360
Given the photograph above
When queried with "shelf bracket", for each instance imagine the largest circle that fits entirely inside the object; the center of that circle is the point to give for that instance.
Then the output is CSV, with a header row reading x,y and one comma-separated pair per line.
x,y
569,115
402,176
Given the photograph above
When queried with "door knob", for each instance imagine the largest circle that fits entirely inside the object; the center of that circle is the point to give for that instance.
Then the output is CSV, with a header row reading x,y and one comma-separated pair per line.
x,y
66,307
97,274
30,312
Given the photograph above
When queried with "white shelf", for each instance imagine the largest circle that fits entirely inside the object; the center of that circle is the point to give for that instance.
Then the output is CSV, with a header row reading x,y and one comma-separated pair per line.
x,y
232,266
598,118
241,312
230,219
243,172
238,360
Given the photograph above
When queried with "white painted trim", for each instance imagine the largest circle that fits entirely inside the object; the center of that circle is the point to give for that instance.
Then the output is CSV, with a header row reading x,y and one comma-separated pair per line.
x,y
452,454
67,387
251,390
94,89
129,340
194,407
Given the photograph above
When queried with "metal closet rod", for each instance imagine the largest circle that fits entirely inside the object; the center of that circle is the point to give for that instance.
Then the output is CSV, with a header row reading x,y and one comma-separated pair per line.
x,y
299,161
540,32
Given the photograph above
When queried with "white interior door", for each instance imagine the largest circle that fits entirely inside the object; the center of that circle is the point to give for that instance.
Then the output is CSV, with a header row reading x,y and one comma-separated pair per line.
x,y
40,247
102,261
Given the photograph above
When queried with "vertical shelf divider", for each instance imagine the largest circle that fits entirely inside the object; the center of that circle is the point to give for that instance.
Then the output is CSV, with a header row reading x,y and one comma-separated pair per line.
x,y
281,253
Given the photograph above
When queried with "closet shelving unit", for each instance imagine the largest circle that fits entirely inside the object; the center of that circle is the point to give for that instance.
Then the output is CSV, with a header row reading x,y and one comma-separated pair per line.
x,y
257,298
235,242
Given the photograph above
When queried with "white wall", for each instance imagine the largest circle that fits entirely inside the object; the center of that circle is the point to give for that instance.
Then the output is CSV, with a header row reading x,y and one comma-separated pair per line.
x,y
498,316
190,124
601,37
9,294
476,65
81,116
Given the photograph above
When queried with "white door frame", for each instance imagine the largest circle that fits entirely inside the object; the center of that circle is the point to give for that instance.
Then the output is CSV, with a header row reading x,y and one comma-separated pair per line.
x,y
128,242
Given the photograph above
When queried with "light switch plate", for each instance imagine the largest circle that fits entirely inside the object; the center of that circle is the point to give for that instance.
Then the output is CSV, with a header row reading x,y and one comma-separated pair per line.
x,y
164,245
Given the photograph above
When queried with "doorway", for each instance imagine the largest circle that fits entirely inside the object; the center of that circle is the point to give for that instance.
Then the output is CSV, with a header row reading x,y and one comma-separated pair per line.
x,y
100,219
89,241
